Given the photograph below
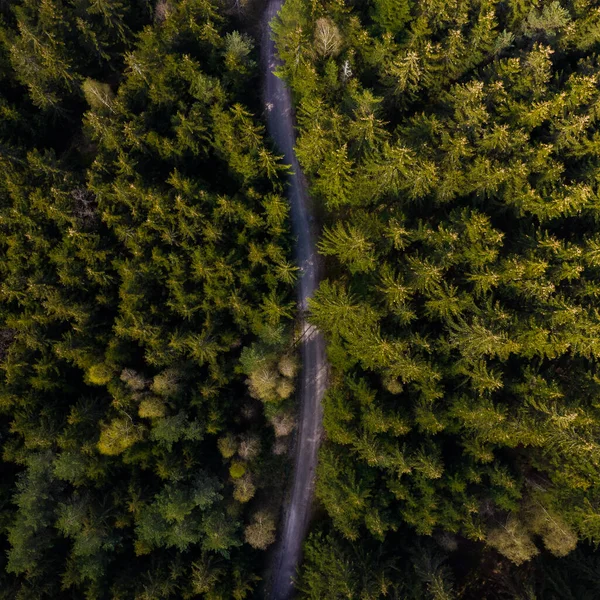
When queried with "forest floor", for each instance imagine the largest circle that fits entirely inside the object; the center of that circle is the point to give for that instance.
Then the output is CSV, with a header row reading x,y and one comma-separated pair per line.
x,y
298,505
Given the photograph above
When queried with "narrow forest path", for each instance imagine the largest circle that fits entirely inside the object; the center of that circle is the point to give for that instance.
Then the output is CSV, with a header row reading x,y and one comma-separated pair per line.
x,y
297,510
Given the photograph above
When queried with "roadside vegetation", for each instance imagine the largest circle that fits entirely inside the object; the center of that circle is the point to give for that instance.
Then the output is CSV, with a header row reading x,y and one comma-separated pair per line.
x,y
452,148
147,364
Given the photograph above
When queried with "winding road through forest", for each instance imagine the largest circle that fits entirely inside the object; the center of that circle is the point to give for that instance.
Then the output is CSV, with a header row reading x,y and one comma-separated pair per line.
x,y
297,509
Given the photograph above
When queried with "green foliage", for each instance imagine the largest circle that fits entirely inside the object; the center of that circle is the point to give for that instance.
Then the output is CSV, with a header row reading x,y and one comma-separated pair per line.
x,y
173,517
391,15
452,150
237,469
99,374
271,367
119,435
144,247
336,569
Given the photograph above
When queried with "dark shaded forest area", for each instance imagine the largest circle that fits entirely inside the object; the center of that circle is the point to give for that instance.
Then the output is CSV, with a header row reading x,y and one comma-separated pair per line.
x,y
146,304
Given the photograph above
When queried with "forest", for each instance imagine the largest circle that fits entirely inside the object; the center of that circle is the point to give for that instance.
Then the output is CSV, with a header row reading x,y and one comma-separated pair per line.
x,y
146,304
148,323
453,153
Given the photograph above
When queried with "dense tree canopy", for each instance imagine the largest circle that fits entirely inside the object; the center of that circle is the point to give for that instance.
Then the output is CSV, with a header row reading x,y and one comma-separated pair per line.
x,y
144,252
147,362
453,148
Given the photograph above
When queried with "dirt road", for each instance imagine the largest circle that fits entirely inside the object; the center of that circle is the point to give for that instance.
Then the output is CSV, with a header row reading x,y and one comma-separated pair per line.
x,y
296,513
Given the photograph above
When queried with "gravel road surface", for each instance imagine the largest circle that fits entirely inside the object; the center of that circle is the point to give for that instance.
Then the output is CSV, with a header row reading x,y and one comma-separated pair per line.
x,y
313,377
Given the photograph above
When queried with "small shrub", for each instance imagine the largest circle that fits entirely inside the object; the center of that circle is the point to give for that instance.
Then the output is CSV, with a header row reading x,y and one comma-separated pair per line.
x,y
237,469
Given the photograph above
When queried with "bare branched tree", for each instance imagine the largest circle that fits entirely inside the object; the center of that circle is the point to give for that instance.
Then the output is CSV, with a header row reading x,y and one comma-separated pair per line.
x,y
328,40
85,207
7,337
162,11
